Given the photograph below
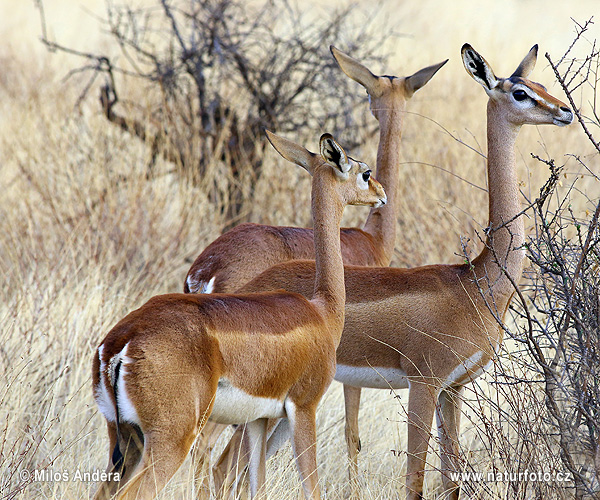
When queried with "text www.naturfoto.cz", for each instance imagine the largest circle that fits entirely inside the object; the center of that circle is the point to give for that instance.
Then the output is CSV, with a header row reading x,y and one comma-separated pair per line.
x,y
506,476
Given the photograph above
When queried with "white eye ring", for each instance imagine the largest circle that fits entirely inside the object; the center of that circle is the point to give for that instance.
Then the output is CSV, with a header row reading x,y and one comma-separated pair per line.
x,y
362,179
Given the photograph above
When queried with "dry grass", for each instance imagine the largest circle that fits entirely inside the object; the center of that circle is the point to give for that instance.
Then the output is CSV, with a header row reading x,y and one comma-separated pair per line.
x,y
80,247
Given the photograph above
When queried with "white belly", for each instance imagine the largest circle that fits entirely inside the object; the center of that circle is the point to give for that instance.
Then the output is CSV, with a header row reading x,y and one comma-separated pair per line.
x,y
371,377
460,374
234,406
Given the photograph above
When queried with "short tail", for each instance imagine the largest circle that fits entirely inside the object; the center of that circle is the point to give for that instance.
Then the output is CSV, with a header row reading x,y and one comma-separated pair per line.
x,y
117,457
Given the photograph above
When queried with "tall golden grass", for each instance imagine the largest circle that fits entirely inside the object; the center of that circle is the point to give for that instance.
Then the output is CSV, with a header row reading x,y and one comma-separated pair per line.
x,y
80,247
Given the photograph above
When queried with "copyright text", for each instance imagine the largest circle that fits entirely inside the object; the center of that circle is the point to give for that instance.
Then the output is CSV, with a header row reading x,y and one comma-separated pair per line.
x,y
64,476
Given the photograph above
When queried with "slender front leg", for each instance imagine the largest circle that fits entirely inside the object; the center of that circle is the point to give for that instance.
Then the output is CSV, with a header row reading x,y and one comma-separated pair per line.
x,y
229,472
352,405
279,433
229,469
448,421
421,406
304,445
201,456
257,440
231,465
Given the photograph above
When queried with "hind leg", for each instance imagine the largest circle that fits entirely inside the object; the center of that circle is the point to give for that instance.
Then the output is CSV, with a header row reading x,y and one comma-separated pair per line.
x,y
229,470
131,445
448,419
108,488
168,438
164,452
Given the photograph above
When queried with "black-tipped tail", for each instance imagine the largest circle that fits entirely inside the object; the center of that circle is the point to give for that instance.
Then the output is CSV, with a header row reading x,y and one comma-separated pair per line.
x,y
117,457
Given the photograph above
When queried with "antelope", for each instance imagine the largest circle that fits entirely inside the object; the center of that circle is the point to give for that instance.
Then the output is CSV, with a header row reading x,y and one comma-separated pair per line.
x,y
182,359
248,249
431,329
245,251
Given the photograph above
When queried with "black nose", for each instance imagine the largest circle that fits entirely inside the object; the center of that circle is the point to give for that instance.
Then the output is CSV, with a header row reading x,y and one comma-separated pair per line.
x,y
565,109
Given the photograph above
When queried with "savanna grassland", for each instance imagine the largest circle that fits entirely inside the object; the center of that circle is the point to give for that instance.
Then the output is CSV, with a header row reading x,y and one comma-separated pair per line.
x,y
80,247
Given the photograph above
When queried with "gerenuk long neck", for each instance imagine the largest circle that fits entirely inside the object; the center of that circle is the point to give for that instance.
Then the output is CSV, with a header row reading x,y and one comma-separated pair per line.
x,y
506,231
327,211
381,223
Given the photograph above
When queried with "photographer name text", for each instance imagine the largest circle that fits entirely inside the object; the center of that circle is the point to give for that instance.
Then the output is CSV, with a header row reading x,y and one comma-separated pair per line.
x,y
54,476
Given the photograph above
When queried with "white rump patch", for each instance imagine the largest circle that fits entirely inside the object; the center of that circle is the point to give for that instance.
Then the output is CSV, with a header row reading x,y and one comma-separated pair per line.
x,y
204,287
101,394
234,406
196,285
191,284
127,412
371,377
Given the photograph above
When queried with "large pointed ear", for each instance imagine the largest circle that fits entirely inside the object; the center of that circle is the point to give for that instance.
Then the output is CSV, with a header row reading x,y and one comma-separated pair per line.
x,y
478,67
421,77
334,154
357,72
527,64
291,151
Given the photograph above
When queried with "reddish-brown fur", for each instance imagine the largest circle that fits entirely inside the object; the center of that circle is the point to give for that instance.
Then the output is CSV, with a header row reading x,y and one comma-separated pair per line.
x,y
245,251
248,249
392,307
166,360
432,322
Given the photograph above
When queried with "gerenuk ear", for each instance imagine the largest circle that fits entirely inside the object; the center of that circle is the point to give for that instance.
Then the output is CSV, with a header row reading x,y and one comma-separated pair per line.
x,y
421,77
334,155
478,68
291,151
527,64
358,72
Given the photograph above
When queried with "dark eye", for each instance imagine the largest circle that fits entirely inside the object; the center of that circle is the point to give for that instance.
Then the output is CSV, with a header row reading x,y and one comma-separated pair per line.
x,y
520,95
366,175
